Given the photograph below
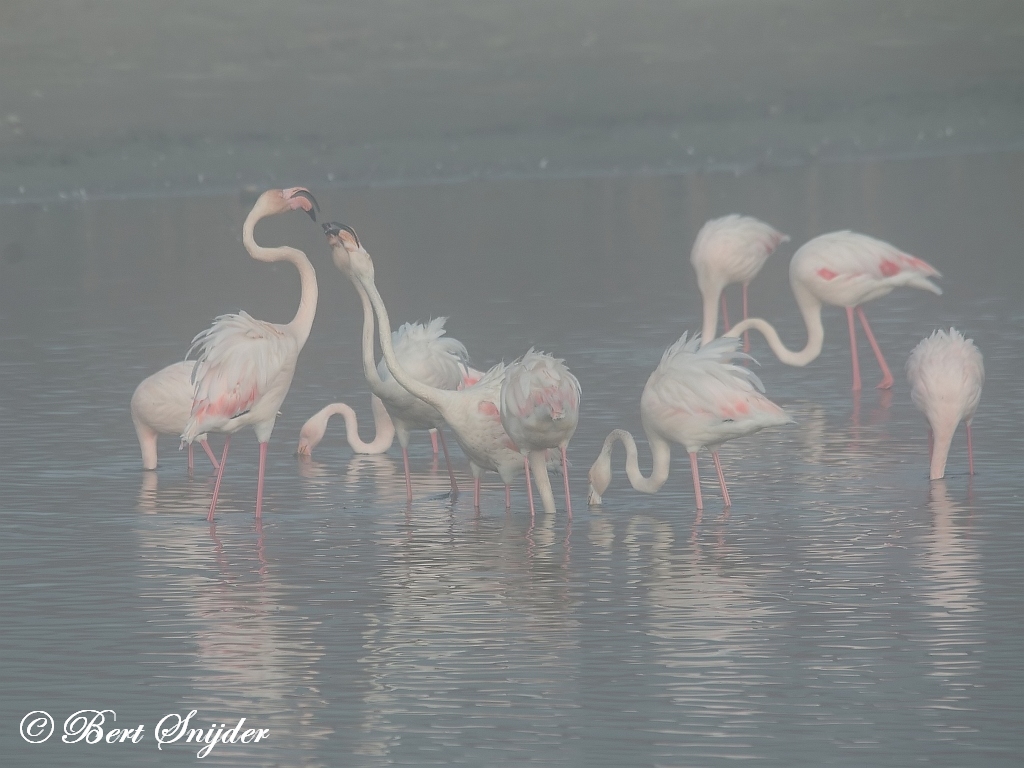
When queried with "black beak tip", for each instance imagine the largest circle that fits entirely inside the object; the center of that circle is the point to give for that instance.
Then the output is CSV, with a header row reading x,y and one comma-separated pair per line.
x,y
331,228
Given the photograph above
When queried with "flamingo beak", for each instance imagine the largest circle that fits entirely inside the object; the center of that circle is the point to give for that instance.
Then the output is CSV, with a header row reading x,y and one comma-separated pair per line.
x,y
301,193
334,229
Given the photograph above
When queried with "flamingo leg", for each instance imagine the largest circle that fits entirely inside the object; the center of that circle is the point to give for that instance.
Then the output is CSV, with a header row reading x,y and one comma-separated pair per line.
x,y
721,479
190,462
725,314
476,493
259,479
970,451
209,452
220,474
853,349
433,439
448,461
931,445
408,479
529,485
746,334
508,497
887,379
565,479
696,480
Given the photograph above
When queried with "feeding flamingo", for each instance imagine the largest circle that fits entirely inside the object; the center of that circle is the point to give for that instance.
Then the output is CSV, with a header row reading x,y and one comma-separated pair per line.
x,y
424,351
696,397
844,269
161,405
730,249
540,408
946,374
245,366
313,430
472,411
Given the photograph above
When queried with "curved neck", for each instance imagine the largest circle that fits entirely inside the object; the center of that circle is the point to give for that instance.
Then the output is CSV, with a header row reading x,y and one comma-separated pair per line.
x,y
369,346
383,427
710,326
660,451
302,323
810,308
439,398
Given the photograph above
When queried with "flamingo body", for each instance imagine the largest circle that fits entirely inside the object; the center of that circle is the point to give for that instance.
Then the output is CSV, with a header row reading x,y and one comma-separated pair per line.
x,y
540,408
697,397
729,249
946,374
161,405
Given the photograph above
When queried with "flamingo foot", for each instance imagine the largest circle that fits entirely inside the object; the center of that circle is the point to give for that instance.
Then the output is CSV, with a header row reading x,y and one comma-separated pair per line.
x,y
887,379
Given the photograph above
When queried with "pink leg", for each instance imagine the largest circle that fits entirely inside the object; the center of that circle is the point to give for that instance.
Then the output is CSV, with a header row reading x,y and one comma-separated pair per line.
x,y
220,474
433,439
529,485
725,315
209,452
408,479
696,480
508,497
448,461
476,493
565,479
259,480
190,462
853,349
746,334
931,445
970,451
721,479
887,379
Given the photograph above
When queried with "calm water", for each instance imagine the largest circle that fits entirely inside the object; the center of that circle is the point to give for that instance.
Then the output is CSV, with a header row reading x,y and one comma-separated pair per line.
x,y
844,611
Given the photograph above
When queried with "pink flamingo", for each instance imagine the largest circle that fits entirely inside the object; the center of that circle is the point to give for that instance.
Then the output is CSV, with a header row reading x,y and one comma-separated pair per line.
x,y
730,249
245,365
161,405
946,374
540,408
313,430
424,352
697,397
844,269
471,411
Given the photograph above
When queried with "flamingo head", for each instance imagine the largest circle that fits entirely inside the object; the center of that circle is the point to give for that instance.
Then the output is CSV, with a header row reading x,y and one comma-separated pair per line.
x,y
294,199
349,254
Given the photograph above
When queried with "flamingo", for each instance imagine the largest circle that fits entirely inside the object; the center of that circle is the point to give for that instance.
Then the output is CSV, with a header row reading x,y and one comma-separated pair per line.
x,y
697,397
730,249
313,430
245,366
946,374
161,405
844,269
471,411
423,350
540,408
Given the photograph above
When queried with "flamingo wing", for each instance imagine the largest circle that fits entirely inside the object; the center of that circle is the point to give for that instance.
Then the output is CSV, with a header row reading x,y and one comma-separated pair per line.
x,y
856,259
540,386
428,354
239,357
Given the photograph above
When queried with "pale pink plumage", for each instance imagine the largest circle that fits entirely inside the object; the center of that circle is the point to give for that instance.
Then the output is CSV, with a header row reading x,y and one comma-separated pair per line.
x,y
729,249
540,408
245,366
313,430
699,398
162,405
844,269
946,374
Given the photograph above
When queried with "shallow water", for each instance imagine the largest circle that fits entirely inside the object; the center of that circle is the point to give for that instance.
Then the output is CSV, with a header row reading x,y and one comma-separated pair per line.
x,y
844,611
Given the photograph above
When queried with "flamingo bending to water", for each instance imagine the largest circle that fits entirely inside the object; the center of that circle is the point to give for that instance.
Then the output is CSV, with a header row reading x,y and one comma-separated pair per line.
x,y
245,366
424,351
946,373
161,405
730,249
313,430
696,397
540,408
844,269
472,411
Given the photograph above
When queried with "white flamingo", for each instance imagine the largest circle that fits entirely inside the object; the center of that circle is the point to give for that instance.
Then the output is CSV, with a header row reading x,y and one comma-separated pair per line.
x,y
313,430
424,352
161,405
245,366
946,374
696,397
730,249
472,411
540,408
844,269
